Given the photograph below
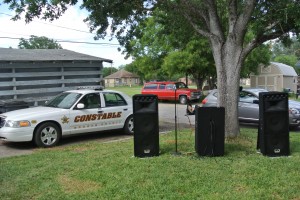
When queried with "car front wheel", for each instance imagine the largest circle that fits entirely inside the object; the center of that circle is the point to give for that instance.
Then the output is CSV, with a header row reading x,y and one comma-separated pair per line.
x,y
47,135
128,126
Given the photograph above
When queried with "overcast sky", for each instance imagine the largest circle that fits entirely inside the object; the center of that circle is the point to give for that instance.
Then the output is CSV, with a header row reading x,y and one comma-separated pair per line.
x,y
60,29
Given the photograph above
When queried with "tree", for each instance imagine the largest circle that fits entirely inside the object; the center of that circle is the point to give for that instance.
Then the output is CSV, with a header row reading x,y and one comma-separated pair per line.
x,y
290,60
195,60
36,42
290,47
225,23
106,71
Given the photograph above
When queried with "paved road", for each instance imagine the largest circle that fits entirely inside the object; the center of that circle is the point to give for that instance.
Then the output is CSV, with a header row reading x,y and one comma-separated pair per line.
x,y
166,123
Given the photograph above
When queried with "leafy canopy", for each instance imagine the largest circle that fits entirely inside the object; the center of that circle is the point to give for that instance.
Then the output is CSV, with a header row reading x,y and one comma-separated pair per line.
x,y
36,42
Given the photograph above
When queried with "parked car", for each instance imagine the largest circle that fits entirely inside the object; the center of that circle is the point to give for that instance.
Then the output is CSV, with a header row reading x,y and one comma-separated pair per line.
x,y
248,108
171,91
69,113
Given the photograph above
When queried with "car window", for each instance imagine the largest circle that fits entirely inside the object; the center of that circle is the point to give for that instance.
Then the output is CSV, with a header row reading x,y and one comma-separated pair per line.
x,y
91,101
247,97
162,86
150,86
114,99
170,87
64,100
180,85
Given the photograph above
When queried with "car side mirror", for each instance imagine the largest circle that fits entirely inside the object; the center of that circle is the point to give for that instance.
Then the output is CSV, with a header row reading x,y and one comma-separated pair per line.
x,y
80,106
256,101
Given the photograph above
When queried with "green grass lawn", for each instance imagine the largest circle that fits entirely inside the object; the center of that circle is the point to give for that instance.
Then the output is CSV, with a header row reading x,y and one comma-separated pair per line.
x,y
127,90
95,170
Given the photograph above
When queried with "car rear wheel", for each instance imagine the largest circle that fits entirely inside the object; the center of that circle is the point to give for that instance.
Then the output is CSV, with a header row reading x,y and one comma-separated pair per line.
x,y
128,126
183,99
47,135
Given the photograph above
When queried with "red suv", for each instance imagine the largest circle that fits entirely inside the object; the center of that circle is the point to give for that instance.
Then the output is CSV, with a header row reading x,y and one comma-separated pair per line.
x,y
168,91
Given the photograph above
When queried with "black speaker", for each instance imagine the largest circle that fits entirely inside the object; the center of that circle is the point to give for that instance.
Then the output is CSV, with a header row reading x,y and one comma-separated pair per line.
x,y
209,131
146,129
273,133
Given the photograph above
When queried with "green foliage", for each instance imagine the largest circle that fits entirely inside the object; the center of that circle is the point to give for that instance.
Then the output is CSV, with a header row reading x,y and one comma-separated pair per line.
x,y
260,55
106,71
280,48
290,60
97,170
36,42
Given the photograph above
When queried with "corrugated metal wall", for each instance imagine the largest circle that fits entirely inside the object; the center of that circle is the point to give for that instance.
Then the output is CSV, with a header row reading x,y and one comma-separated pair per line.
x,y
36,82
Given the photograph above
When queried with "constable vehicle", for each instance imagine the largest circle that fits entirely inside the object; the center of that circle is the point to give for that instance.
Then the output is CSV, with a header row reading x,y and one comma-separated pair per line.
x,y
71,112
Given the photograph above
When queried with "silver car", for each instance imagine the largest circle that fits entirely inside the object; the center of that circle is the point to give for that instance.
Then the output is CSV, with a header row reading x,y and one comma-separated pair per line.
x,y
249,108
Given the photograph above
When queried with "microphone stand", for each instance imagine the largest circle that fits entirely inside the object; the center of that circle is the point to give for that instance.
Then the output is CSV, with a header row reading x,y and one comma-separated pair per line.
x,y
176,151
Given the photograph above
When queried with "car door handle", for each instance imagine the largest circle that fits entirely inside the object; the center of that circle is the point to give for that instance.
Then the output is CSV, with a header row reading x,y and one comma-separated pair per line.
x,y
100,111
125,109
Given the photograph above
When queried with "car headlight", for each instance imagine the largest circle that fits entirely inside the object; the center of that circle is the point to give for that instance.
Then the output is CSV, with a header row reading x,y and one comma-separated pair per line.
x,y
17,124
294,111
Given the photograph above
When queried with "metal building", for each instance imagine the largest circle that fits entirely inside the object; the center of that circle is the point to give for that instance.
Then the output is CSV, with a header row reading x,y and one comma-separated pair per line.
x,y
275,77
35,75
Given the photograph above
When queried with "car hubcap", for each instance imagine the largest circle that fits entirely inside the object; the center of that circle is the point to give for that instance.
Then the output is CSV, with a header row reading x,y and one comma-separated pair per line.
x,y
48,135
130,125
182,100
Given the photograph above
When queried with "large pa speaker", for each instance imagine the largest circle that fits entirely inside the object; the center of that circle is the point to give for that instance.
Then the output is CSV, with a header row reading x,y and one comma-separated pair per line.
x,y
146,130
209,131
273,133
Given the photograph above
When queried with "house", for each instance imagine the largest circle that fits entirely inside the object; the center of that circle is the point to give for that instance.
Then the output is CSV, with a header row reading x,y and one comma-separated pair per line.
x,y
275,77
122,78
187,81
35,75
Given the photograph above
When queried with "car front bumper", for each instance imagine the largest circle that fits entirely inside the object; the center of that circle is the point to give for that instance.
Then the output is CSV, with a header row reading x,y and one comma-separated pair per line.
x,y
294,122
16,134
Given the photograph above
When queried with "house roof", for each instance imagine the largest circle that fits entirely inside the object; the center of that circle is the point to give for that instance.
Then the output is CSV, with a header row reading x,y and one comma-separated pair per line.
x,y
9,54
121,74
286,70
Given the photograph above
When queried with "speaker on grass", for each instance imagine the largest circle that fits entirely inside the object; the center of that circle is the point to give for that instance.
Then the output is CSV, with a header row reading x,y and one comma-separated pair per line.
x,y
146,130
273,133
209,131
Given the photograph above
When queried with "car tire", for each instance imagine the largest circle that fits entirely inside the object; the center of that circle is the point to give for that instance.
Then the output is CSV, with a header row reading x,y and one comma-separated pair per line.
x,y
183,99
47,135
128,126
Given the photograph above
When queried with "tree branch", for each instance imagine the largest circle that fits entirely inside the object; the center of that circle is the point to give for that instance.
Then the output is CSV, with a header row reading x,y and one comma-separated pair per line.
x,y
232,7
244,18
214,20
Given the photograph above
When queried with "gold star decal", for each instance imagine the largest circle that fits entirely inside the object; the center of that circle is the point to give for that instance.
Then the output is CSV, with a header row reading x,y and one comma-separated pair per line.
x,y
65,120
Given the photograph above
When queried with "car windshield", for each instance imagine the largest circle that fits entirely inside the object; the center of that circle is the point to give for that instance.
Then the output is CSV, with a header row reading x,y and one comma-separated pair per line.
x,y
180,85
64,100
257,91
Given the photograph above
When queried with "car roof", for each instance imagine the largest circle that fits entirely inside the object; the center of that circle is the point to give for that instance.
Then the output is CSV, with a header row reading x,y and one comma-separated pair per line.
x,y
252,90
163,82
255,91
86,91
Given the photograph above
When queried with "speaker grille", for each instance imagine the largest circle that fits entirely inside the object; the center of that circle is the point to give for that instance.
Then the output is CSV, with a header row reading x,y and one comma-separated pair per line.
x,y
273,133
209,131
146,129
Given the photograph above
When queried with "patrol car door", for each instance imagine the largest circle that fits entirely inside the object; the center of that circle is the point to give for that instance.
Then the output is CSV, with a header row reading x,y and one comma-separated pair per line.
x,y
88,118
115,111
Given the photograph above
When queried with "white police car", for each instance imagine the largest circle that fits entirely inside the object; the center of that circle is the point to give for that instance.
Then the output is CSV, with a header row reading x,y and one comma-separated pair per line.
x,y
71,112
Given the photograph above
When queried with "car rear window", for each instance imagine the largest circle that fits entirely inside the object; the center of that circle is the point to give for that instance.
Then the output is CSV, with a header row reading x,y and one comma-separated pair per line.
x,y
150,86
114,99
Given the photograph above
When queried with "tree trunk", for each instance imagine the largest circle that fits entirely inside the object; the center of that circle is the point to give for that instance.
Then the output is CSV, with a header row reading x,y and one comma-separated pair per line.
x,y
228,64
